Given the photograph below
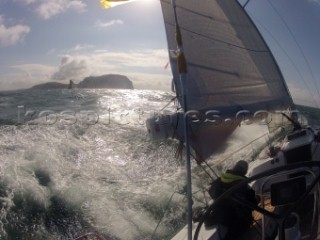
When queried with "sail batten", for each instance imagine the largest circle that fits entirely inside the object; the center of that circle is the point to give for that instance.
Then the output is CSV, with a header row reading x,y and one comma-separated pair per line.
x,y
220,41
229,64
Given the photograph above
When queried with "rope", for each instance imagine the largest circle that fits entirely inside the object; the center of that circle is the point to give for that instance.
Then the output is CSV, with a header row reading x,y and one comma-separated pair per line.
x,y
300,49
178,155
172,99
246,3
166,208
91,234
212,170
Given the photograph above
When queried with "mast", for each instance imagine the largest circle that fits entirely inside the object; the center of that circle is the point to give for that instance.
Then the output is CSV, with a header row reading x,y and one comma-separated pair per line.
x,y
182,69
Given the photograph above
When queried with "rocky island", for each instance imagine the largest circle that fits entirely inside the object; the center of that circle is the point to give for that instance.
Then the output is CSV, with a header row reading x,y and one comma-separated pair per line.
x,y
104,81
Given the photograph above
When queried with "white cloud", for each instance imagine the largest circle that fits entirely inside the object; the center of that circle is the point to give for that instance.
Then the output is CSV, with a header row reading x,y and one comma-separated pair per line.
x,y
12,81
25,76
77,48
81,47
102,24
145,68
151,81
47,9
70,68
12,35
29,1
77,6
34,70
148,58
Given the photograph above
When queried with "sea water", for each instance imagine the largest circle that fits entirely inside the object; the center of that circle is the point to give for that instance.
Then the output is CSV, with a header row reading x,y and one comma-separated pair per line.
x,y
77,161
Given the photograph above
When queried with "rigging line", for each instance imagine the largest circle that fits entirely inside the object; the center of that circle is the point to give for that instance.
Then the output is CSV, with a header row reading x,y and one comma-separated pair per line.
x,y
246,3
205,170
298,45
242,147
287,55
166,209
211,169
199,200
172,99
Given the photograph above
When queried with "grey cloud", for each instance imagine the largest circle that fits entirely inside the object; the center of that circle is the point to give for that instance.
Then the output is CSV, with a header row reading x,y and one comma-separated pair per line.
x,y
71,68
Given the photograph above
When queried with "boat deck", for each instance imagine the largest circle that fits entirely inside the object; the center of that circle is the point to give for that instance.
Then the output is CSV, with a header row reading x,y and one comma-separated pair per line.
x,y
309,224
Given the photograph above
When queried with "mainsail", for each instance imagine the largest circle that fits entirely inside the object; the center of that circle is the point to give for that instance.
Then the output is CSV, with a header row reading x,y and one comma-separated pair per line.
x,y
230,67
231,70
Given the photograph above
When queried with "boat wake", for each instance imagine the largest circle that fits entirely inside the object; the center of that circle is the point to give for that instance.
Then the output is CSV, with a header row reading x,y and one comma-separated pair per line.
x,y
61,180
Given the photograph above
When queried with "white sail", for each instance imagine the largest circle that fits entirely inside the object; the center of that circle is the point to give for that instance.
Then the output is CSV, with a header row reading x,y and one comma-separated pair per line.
x,y
231,73
230,67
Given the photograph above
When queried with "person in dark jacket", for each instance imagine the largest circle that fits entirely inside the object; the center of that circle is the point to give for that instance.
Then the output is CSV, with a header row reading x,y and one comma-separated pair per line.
x,y
235,217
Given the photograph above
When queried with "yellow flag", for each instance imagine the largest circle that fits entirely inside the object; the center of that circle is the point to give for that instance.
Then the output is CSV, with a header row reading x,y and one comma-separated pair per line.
x,y
111,3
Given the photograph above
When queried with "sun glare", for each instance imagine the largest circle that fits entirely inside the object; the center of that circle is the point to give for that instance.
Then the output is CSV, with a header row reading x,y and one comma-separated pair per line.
x,y
114,3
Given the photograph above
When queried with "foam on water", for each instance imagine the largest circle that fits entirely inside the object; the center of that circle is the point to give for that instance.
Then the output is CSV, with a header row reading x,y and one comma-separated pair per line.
x,y
62,178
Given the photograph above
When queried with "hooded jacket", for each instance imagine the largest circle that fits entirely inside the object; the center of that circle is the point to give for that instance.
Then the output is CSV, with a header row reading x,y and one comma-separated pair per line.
x,y
229,211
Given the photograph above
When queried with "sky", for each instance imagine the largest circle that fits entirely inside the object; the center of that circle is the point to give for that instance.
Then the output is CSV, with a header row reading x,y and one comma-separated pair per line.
x,y
44,40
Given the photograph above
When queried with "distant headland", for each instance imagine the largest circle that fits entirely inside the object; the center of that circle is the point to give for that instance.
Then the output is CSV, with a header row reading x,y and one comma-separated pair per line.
x,y
104,81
